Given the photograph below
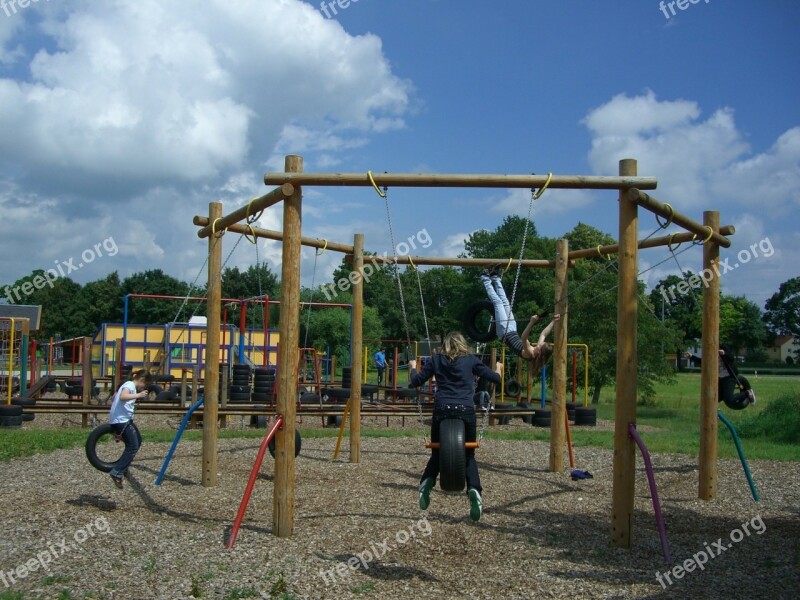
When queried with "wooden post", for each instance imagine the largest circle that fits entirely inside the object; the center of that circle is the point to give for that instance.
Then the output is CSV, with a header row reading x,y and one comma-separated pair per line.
x,y
283,496
355,351
559,404
627,326
211,379
709,374
118,364
86,367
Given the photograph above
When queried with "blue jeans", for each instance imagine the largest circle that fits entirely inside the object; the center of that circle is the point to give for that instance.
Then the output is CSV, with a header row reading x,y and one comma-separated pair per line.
x,y
133,440
503,317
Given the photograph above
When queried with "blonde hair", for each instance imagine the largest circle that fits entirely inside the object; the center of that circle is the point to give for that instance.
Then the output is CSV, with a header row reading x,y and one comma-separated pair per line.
x,y
454,345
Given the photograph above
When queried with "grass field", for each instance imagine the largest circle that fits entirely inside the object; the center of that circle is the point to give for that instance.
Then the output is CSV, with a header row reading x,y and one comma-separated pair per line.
x,y
674,414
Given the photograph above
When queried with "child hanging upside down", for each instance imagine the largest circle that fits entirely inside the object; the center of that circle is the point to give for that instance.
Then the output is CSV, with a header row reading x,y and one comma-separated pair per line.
x,y
506,325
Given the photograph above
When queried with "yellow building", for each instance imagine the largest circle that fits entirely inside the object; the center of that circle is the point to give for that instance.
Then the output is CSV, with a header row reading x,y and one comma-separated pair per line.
x,y
170,348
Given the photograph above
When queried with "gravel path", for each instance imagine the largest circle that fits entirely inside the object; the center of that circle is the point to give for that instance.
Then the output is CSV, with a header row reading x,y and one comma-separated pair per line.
x,y
541,536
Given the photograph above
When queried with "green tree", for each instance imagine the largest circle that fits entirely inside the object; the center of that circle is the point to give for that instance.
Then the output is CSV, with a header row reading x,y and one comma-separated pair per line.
x,y
740,323
255,282
103,301
157,311
782,314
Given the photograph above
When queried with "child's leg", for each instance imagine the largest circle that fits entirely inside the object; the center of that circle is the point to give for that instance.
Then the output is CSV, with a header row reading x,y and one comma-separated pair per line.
x,y
500,316
432,468
501,293
132,438
470,435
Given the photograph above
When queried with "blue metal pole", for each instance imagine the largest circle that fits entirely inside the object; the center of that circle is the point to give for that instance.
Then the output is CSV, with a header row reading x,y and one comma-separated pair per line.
x,y
177,439
544,386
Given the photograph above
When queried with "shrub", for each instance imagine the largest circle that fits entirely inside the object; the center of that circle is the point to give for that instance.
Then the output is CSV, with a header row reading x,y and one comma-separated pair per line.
x,y
779,421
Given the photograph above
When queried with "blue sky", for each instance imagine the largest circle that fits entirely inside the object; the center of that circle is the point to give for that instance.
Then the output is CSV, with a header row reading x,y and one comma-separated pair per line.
x,y
123,119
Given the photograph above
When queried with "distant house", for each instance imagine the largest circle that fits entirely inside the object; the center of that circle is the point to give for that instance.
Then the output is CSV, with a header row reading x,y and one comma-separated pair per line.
x,y
785,347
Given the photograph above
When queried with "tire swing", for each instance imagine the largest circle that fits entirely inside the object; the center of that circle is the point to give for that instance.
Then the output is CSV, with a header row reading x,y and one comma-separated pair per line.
x,y
297,443
97,437
471,321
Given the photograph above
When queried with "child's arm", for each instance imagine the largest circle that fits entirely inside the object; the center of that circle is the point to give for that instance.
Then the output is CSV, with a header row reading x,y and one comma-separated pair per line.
x,y
546,331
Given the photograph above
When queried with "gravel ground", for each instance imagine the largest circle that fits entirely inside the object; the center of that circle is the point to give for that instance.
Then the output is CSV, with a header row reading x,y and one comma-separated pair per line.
x,y
541,536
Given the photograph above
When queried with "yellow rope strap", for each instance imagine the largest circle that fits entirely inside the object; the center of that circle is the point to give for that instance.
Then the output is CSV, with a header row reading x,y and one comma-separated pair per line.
x,y
411,261
508,266
668,222
214,228
601,255
375,185
252,240
669,243
325,247
710,234
541,191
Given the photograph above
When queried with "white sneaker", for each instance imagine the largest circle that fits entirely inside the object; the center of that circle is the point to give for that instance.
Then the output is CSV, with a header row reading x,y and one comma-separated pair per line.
x,y
752,395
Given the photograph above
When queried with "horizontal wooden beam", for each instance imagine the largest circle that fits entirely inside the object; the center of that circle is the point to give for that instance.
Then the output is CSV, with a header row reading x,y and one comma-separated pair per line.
x,y
446,261
253,207
271,234
466,181
666,211
675,238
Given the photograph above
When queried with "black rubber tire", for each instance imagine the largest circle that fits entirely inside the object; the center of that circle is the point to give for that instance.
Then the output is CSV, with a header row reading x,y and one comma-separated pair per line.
x,y
571,411
263,397
407,393
239,389
513,388
258,421
452,455
12,410
333,421
309,398
542,418
23,402
261,371
526,406
11,422
262,389
242,369
239,397
51,387
585,416
298,442
236,380
167,396
163,378
91,448
470,316
347,376
501,407
27,417
338,393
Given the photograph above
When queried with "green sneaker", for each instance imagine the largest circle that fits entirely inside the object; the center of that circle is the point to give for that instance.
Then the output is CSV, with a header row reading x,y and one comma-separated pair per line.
x,y
475,504
425,492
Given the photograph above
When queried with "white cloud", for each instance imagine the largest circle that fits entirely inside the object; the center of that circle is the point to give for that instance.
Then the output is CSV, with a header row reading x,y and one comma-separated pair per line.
x,y
147,110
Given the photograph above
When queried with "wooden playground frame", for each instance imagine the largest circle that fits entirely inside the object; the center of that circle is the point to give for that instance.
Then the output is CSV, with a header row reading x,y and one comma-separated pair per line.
x,y
630,195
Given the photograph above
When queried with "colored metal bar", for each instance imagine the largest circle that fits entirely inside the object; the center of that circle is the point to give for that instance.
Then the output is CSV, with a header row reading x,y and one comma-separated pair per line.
x,y
739,449
177,439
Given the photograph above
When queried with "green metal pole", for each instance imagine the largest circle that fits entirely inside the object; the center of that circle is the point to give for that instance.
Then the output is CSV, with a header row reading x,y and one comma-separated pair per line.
x,y
738,443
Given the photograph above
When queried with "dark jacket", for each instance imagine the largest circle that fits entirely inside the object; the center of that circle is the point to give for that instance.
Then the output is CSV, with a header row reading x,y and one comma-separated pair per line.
x,y
455,379
727,365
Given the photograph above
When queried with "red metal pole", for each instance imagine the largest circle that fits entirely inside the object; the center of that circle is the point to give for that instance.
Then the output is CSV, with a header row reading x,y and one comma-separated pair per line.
x,y
252,481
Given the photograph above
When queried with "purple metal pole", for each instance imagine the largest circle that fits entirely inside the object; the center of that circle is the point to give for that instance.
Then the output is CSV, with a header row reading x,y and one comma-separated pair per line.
x,y
651,480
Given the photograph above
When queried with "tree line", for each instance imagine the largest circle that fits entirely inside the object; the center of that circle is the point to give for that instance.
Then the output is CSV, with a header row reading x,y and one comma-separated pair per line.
x,y
434,301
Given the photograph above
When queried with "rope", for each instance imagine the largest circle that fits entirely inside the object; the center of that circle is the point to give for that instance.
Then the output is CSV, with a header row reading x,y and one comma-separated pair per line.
x,y
311,299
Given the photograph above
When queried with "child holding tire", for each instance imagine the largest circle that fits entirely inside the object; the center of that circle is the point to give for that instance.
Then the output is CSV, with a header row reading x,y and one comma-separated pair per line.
x,y
121,420
455,368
